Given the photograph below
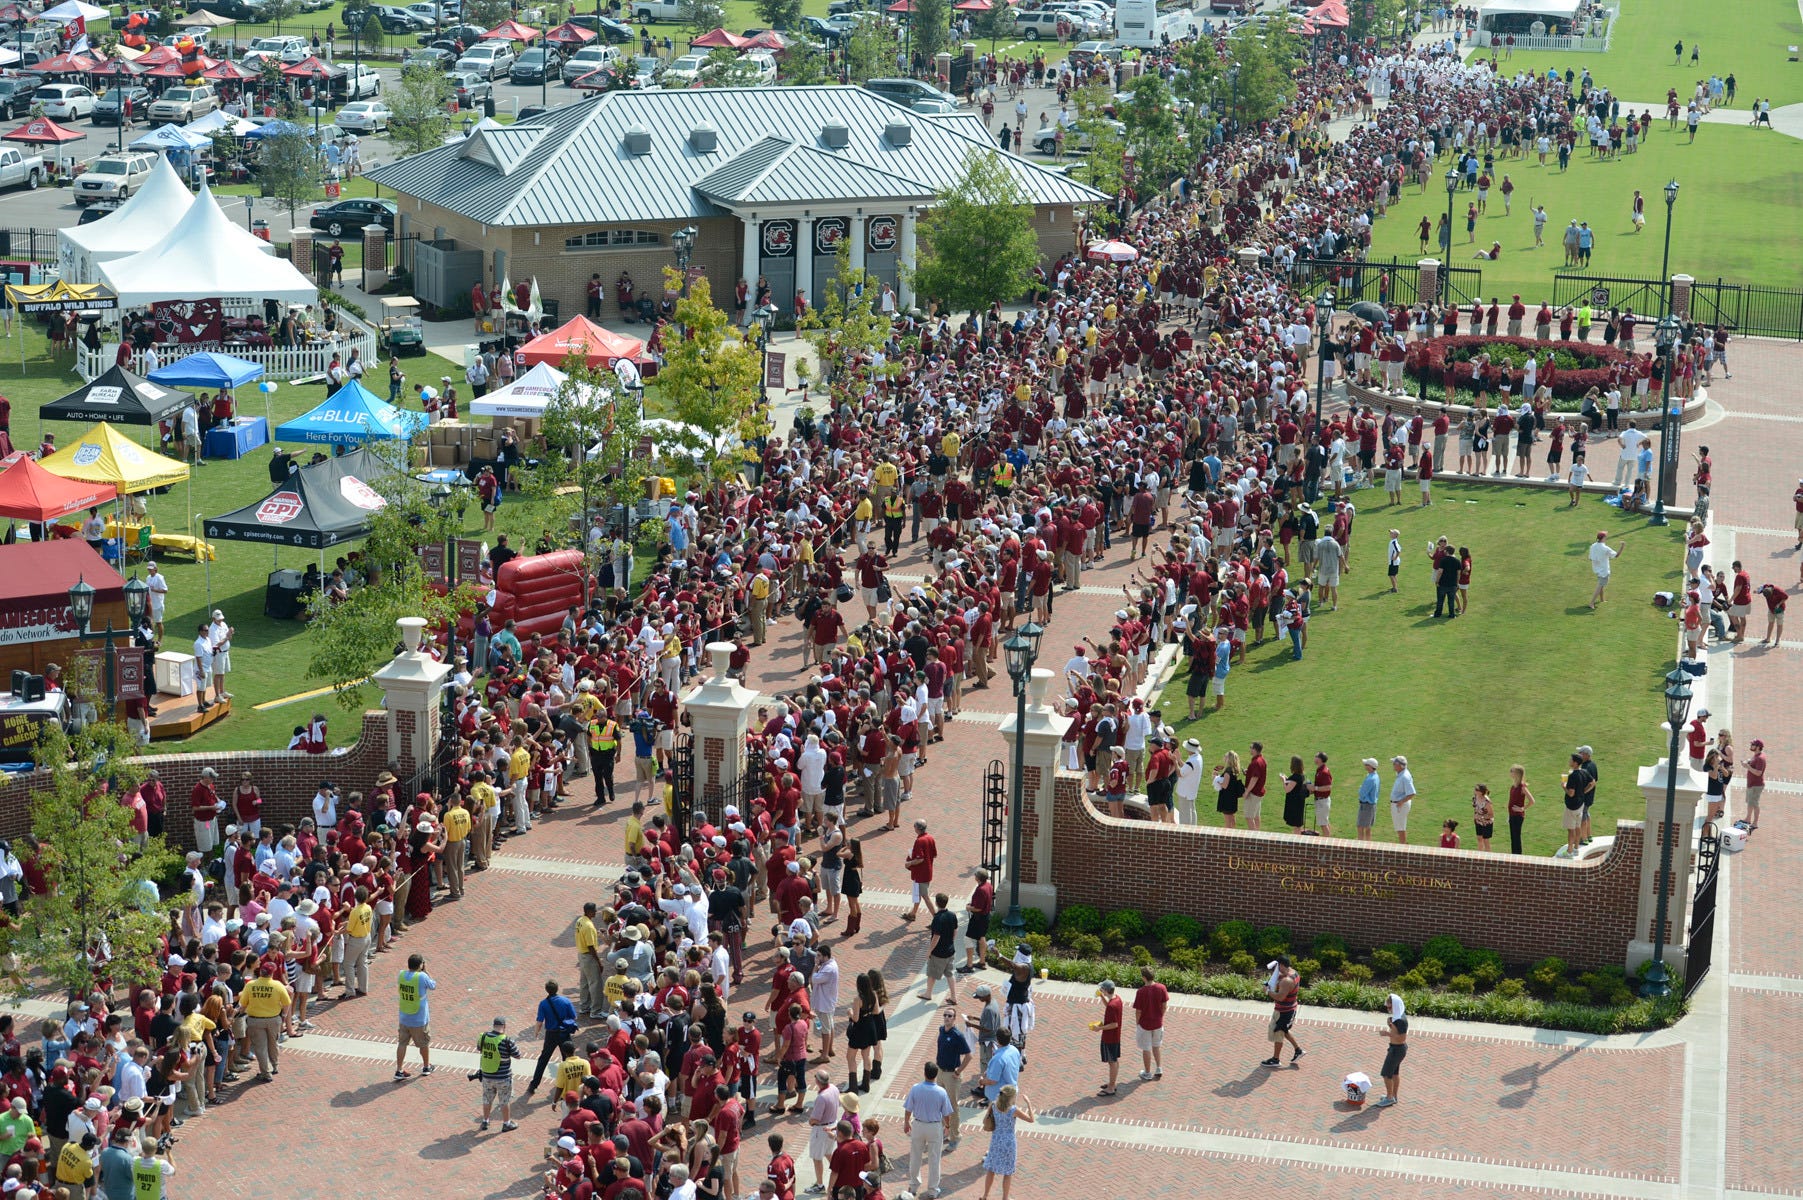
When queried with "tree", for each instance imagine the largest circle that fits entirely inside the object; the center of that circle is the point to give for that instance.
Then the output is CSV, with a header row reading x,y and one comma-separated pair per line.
x,y
279,10
370,35
978,245
779,14
592,432
288,167
1267,61
929,29
1199,85
846,327
802,65
352,639
1103,145
486,13
995,22
712,378
725,68
870,48
701,16
103,889
418,120
1152,134
1372,18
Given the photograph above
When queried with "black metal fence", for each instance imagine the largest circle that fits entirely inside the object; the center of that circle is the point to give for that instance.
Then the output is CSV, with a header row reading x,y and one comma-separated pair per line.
x,y
27,245
1745,309
690,803
1385,281
1702,914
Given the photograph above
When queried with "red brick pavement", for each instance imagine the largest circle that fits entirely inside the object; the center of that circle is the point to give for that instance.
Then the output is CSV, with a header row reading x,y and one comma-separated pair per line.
x,y
1767,1078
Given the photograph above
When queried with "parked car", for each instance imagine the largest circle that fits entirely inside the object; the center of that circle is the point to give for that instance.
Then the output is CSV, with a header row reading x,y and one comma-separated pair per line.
x,y
113,177
589,58
469,35
127,104
66,101
17,94
394,19
647,70
763,63
1045,141
364,116
238,10
470,88
821,31
535,63
933,105
656,10
350,216
183,104
20,170
684,70
287,47
437,15
434,56
904,91
492,59
618,33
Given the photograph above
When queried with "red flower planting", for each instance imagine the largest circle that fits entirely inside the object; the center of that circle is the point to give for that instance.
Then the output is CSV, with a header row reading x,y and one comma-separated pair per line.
x,y
1579,366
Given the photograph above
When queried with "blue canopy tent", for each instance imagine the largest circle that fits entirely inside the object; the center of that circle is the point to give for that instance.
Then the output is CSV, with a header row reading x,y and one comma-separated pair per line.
x,y
211,369
170,137
351,416
272,129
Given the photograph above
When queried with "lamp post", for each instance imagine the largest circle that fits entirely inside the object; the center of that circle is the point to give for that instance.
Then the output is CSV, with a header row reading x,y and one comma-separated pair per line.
x,y
1233,81
1658,981
683,241
81,609
1666,338
1324,326
1665,262
1023,651
765,316
1452,185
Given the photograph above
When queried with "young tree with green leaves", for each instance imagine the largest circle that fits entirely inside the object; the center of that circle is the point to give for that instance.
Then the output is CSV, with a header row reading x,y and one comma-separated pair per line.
x,y
846,327
779,14
1267,61
929,29
1152,133
870,49
486,13
1100,140
994,23
279,11
713,379
701,16
592,428
725,68
104,890
289,168
977,245
802,65
418,120
352,639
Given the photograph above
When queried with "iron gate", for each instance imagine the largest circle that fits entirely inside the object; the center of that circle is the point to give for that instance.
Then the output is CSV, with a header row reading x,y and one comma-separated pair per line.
x,y
1743,308
1385,281
1604,292
1702,913
682,778
995,814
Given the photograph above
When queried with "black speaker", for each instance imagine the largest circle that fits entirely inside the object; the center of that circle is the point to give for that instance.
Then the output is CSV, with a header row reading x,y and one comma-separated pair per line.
x,y
19,678
34,688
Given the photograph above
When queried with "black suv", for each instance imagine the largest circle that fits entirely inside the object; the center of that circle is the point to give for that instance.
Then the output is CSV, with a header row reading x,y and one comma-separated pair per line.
x,y
111,108
17,94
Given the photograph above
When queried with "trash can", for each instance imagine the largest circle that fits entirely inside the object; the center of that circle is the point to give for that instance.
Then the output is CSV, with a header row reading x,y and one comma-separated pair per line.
x,y
488,105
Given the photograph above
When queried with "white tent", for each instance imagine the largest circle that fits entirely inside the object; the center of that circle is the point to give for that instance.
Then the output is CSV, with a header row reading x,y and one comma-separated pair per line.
x,y
62,14
1546,10
170,137
206,255
526,396
138,224
219,119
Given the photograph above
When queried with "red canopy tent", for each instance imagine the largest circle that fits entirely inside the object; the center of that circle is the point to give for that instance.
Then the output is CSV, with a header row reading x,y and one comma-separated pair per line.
x,y
719,38
65,64
309,68
1331,14
30,493
228,71
109,68
179,70
569,35
12,13
42,131
902,6
973,6
598,347
158,55
767,40
513,31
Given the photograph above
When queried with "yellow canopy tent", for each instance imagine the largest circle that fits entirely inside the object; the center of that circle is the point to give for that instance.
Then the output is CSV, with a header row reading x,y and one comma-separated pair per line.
x,y
104,455
57,296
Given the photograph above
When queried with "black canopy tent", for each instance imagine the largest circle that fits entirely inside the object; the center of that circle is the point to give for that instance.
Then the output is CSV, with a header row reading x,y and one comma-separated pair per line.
x,y
117,397
314,507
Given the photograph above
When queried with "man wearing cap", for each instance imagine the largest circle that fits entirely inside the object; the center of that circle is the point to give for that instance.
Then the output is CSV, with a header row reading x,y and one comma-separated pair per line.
x,y
497,1052
415,988
358,923
1602,556
219,634
1189,781
265,999
205,806
1402,797
457,825
590,994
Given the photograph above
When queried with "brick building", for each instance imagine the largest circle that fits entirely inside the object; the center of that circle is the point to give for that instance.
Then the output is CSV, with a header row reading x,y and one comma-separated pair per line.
x,y
774,179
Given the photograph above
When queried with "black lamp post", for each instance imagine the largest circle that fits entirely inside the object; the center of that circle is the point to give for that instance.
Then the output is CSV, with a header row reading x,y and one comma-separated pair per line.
x,y
683,241
765,316
1023,651
81,609
1665,263
1658,981
1452,186
1233,81
1666,338
1323,326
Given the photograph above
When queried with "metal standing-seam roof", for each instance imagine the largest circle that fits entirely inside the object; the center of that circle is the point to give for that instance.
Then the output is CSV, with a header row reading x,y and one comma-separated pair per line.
x,y
579,171
778,171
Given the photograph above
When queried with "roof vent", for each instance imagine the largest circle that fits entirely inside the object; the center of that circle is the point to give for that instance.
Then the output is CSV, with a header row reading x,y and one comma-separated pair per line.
x,y
704,139
834,135
898,133
638,141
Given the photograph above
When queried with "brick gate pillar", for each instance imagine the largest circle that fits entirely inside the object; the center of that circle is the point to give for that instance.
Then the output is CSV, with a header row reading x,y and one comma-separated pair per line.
x,y
719,717
1041,735
411,684
1681,285
1681,833
1427,289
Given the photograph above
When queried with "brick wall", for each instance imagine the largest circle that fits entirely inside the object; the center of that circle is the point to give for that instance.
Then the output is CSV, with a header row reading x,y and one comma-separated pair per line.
x,y
1369,893
288,779
563,274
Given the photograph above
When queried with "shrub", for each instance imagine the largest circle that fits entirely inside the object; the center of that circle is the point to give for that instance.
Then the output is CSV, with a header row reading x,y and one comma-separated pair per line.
x,y
1580,366
1033,920
1174,926
1038,944
1448,950
1142,957
1326,942
1510,989
1385,961
1485,966
1356,973
1114,939
1464,985
1402,950
1241,962
1085,945
1232,936
1572,993
1308,968
1412,980
1607,987
1190,959
1330,957
1176,944
1273,940
1130,923
1431,970
1545,976
1078,918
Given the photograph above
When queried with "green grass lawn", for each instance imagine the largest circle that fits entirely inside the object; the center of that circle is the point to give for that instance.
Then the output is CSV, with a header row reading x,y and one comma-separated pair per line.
x,y
1739,213
270,657
1747,39
1529,673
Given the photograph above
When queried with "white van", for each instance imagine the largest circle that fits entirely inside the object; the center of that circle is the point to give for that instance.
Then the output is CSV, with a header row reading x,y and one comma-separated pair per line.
x,y
764,61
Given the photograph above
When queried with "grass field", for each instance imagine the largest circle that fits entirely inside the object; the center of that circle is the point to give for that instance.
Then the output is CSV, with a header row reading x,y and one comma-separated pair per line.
x,y
1747,39
1529,673
1739,213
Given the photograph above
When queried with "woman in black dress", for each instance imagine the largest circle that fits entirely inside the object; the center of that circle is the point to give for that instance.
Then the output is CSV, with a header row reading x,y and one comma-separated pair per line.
x,y
880,990
851,883
1230,785
860,1035
1295,796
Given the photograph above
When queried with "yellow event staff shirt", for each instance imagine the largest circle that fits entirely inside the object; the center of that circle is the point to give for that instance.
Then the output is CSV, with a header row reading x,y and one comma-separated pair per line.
x,y
484,796
265,998
635,836
357,923
886,474
456,823
586,938
570,1074
519,765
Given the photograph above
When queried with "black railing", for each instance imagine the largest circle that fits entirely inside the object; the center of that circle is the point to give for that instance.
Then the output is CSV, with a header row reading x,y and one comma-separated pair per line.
x,y
1745,309
682,778
739,794
1385,281
1702,914
18,244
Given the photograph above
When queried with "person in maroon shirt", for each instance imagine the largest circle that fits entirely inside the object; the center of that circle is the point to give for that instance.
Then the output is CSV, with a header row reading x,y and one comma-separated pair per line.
x,y
1257,771
976,928
920,867
1149,1003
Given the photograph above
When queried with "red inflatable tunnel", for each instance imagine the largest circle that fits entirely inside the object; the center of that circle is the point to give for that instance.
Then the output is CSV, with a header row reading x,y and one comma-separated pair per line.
x,y
535,593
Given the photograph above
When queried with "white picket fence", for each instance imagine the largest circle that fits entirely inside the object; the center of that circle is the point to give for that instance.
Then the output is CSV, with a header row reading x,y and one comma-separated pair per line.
x,y
279,362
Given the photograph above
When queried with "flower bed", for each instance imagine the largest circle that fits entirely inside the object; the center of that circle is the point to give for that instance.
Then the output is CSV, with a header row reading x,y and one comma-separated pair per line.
x,y
1440,978
1580,365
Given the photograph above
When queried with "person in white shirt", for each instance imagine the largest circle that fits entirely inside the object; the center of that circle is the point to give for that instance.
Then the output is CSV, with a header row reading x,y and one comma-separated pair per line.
x,y
220,634
1602,556
158,583
811,765
203,664
325,806
1189,782
1631,439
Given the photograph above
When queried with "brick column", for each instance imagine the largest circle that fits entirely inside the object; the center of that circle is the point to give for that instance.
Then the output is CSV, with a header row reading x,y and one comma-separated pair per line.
x,y
1042,735
719,716
411,684
1681,285
300,250
375,258
1428,289
1652,783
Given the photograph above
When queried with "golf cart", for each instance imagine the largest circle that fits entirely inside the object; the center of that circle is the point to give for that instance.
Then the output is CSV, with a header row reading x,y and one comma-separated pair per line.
x,y
401,333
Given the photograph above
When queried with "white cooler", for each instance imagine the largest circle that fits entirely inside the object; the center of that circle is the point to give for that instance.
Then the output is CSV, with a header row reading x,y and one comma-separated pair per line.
x,y
175,673
1734,839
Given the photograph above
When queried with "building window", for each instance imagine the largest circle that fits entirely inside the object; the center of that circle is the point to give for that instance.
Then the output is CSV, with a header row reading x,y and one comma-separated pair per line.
x,y
614,239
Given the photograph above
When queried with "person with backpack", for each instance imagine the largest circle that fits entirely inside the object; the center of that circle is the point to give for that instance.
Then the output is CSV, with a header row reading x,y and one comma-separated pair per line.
x,y
557,1021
